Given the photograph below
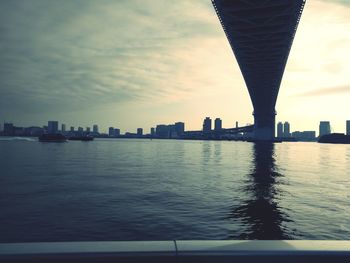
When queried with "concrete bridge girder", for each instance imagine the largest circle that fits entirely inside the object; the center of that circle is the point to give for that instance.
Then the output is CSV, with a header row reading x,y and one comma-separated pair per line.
x,y
261,34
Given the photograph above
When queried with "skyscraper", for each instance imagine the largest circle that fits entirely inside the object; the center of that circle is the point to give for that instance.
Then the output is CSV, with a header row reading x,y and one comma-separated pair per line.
x,y
179,128
153,131
111,131
279,130
95,128
139,131
286,130
347,127
52,127
217,124
63,127
207,124
325,128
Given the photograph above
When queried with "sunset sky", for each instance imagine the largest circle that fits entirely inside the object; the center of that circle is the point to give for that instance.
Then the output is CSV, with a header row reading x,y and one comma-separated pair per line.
x,y
132,64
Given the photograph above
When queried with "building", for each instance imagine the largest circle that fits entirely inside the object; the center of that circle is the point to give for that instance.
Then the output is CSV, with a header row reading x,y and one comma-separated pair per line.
x,y
324,128
111,131
63,127
116,132
305,136
9,129
286,130
347,127
52,127
95,128
279,130
179,128
162,131
71,128
207,125
139,131
153,131
88,129
80,129
218,124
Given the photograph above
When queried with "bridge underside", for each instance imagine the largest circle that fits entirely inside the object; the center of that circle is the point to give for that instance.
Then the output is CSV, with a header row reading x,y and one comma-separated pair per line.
x,y
261,33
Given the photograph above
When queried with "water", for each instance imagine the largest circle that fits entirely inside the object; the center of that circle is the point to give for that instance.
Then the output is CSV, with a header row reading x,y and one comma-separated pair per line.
x,y
166,189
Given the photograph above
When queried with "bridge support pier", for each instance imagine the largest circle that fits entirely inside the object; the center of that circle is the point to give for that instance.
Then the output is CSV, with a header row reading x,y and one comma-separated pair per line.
x,y
264,126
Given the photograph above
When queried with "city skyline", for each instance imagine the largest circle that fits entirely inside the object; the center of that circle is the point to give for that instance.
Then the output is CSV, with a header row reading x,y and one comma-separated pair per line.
x,y
146,65
282,129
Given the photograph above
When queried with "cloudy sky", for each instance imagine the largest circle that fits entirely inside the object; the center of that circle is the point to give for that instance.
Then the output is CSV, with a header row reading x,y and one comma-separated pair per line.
x,y
138,63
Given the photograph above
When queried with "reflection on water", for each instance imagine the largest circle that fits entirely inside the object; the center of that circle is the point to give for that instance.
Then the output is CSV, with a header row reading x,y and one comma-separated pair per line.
x,y
261,212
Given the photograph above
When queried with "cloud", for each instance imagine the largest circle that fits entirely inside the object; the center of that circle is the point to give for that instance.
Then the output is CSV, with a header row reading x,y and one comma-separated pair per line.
x,y
327,91
81,54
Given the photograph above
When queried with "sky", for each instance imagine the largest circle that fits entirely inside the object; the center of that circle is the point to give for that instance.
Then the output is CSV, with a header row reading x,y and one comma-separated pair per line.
x,y
139,63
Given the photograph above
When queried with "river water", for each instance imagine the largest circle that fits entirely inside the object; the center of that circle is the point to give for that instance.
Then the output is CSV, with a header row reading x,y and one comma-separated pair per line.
x,y
138,189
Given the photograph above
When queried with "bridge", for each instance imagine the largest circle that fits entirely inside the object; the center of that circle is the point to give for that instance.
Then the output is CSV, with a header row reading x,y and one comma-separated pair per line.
x,y
261,33
218,134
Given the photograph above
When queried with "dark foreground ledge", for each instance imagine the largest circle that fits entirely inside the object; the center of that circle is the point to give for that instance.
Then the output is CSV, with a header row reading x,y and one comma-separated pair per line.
x,y
178,251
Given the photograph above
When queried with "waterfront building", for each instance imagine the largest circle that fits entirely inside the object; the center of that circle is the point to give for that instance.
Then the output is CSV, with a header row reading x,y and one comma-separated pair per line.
x,y
95,128
153,131
306,136
80,129
279,130
52,127
324,128
179,128
116,132
286,130
63,127
207,125
111,131
162,131
139,131
88,129
8,129
217,124
347,127
71,128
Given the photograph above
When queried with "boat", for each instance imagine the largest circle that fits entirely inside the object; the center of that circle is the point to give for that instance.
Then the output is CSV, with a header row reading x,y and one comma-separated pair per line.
x,y
57,137
81,138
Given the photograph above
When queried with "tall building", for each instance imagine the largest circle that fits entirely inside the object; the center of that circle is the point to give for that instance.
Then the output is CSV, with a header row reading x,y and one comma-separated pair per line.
x,y
162,131
111,131
153,131
80,129
52,127
217,124
279,130
286,130
324,128
95,128
116,132
207,124
179,128
88,129
71,128
347,127
63,127
139,131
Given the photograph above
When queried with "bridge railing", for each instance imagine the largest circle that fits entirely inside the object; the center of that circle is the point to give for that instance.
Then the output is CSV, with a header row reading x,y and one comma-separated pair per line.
x,y
178,251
